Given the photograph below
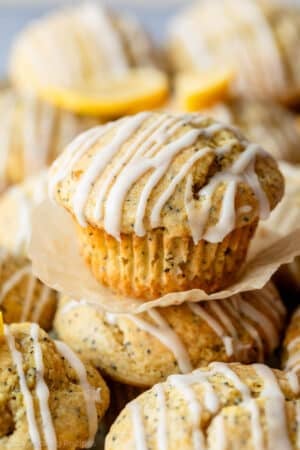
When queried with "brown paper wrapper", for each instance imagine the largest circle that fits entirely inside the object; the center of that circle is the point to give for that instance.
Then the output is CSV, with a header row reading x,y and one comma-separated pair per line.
x,y
56,260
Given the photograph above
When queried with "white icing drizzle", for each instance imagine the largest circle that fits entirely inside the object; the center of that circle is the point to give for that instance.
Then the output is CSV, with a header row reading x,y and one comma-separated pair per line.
x,y
97,21
234,311
42,391
164,333
11,282
100,161
138,426
28,297
41,303
249,403
28,400
214,325
91,395
153,150
162,434
219,441
268,328
278,437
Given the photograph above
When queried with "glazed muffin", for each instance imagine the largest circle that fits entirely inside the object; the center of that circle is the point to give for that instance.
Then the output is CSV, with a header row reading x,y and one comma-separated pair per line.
x,y
32,134
16,206
49,398
22,296
291,348
81,50
268,123
223,406
259,40
144,349
163,202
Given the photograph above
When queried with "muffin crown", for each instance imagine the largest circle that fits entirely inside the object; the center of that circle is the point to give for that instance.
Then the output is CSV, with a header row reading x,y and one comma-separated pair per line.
x,y
186,173
75,44
218,407
257,38
38,371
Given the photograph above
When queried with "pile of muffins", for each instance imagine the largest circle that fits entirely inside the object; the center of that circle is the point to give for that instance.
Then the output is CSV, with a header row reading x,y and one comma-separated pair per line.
x,y
165,199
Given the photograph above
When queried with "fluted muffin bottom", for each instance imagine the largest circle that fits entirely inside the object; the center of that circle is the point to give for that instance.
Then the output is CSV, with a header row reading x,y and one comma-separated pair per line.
x,y
157,264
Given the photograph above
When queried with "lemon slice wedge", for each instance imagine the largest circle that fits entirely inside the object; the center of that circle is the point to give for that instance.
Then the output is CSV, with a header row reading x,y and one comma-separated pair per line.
x,y
139,89
196,91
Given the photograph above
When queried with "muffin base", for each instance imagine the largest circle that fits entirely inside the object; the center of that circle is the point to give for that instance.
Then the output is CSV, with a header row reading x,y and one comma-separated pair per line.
x,y
157,264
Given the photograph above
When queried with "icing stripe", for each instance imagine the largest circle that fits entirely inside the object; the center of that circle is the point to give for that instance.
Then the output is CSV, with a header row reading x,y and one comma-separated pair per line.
x,y
42,391
91,395
28,400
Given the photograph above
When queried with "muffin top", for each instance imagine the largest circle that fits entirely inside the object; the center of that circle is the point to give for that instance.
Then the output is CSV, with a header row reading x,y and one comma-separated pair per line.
x,y
268,123
188,174
24,297
81,44
49,399
291,348
32,134
16,206
222,406
257,38
144,349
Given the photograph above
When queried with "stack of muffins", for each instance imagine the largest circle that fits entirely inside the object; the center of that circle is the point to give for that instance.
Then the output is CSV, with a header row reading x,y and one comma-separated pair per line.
x,y
163,203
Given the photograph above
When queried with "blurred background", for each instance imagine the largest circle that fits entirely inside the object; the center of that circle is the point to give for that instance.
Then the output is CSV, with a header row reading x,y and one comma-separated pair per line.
x,y
14,14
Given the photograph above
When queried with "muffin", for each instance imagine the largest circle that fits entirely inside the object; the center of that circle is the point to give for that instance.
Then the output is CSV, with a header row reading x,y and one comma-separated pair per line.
x,y
144,349
268,123
87,51
291,349
223,406
16,206
22,296
163,202
32,134
49,398
259,40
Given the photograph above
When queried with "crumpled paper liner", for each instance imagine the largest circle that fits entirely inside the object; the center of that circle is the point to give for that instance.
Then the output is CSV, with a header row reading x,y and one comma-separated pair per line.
x,y
56,260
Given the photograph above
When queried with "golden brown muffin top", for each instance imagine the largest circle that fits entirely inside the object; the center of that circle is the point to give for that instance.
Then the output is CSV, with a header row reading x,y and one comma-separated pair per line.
x,y
256,38
49,399
78,44
143,349
189,174
223,406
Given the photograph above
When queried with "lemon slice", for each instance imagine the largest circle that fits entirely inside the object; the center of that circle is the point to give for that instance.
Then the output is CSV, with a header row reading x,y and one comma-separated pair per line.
x,y
195,91
137,90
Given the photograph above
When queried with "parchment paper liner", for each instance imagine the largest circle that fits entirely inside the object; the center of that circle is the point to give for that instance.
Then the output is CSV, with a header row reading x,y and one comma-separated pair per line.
x,y
57,262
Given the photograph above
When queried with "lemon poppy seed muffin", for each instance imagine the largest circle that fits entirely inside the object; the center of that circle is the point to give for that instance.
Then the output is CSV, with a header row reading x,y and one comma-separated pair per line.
x,y
80,54
223,406
268,123
23,297
16,206
291,349
49,398
144,349
32,134
258,39
165,202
